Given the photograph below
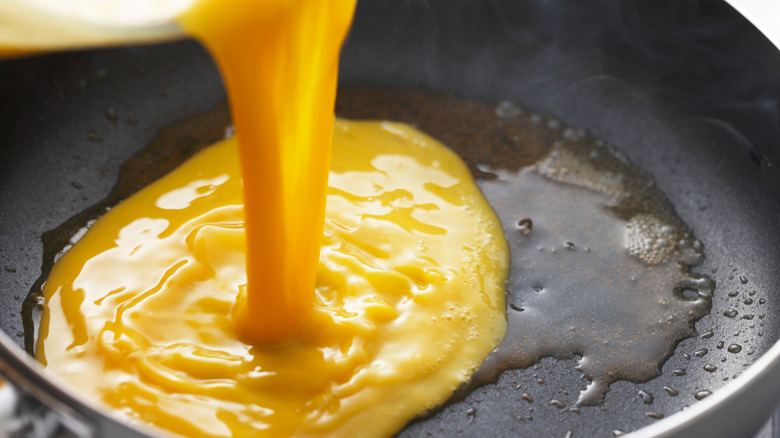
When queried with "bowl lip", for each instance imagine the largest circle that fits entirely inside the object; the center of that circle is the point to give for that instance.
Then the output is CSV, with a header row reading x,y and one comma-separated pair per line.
x,y
30,376
82,33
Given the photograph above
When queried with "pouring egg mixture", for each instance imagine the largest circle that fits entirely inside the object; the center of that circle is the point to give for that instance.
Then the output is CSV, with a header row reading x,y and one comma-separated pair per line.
x,y
215,303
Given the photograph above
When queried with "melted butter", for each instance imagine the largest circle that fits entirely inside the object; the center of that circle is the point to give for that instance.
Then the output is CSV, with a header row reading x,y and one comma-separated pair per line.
x,y
601,268
409,297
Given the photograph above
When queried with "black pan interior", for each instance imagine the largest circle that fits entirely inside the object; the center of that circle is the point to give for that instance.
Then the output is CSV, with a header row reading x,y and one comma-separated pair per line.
x,y
687,89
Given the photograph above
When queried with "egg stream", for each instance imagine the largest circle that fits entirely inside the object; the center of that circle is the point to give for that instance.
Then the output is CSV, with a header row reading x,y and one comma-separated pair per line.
x,y
279,62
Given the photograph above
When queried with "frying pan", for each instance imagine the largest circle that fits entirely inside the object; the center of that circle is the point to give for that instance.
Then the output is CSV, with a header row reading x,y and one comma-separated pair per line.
x,y
688,90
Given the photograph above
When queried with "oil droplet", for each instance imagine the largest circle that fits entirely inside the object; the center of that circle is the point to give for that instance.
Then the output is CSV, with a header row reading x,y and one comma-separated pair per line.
x,y
679,372
654,415
671,391
525,225
731,313
471,413
646,397
720,345
710,368
708,334
527,398
701,395
748,301
515,307
743,279
734,348
700,353
557,403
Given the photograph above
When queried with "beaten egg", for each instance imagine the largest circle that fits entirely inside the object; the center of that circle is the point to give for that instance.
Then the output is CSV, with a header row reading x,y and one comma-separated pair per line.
x,y
216,303
409,297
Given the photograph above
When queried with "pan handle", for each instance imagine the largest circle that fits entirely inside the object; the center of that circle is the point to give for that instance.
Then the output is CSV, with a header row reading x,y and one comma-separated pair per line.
x,y
23,416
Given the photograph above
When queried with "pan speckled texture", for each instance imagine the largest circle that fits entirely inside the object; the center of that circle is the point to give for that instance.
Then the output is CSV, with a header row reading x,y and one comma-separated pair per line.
x,y
688,90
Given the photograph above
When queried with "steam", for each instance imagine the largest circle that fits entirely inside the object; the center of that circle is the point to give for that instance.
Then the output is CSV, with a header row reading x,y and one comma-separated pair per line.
x,y
700,58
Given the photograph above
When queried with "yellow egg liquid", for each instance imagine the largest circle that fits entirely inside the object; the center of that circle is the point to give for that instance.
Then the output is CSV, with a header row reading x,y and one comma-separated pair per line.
x,y
409,297
215,303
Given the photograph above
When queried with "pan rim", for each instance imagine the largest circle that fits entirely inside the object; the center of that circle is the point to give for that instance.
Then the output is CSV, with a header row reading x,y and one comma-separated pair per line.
x,y
699,420
763,374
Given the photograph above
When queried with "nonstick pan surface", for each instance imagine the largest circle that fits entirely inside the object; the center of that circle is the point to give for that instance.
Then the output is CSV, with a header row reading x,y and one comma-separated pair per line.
x,y
688,90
